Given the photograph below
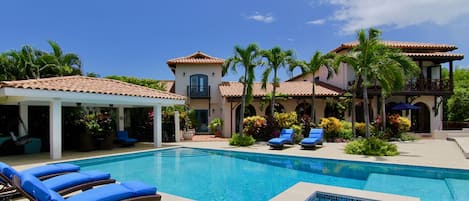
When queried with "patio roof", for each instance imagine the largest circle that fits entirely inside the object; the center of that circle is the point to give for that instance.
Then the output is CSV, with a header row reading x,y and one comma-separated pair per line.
x,y
293,88
57,92
405,46
85,89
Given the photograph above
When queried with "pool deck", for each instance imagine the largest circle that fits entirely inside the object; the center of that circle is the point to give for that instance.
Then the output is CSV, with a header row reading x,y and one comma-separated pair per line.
x,y
424,152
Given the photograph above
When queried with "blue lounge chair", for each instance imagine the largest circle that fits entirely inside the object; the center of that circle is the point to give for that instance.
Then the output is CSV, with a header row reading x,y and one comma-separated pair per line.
x,y
63,184
48,171
314,138
33,189
123,138
286,137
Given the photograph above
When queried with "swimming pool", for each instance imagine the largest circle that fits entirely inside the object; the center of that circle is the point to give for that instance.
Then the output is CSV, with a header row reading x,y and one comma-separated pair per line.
x,y
203,174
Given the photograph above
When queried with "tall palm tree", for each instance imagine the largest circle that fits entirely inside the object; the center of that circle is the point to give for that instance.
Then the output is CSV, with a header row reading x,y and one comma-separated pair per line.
x,y
395,71
247,58
316,62
373,61
276,59
66,64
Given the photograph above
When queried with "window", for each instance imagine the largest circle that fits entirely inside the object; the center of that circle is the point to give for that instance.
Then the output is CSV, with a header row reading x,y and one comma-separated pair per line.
x,y
199,86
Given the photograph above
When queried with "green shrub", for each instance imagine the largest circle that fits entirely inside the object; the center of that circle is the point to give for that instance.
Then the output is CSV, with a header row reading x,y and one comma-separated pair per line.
x,y
241,140
409,137
286,120
331,126
372,147
346,133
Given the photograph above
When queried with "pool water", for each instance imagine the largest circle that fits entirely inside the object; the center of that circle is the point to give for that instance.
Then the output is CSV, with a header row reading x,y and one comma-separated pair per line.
x,y
202,174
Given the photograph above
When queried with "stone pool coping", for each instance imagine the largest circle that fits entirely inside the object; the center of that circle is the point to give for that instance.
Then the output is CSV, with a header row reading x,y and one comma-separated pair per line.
x,y
303,190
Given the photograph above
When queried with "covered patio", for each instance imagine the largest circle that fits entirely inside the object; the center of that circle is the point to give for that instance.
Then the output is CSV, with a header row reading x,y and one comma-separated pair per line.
x,y
58,92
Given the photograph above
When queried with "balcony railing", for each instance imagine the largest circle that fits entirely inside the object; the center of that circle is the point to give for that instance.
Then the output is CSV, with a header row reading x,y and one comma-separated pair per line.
x,y
198,91
428,85
420,85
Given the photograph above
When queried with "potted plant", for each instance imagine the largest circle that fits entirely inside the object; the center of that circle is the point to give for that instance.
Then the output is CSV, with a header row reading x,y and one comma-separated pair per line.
x,y
98,131
215,126
190,123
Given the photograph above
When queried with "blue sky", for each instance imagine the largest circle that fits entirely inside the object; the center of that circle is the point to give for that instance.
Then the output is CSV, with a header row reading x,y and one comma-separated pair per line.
x,y
136,38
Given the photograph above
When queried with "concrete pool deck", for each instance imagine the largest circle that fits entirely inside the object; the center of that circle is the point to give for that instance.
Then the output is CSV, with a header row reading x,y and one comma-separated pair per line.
x,y
424,152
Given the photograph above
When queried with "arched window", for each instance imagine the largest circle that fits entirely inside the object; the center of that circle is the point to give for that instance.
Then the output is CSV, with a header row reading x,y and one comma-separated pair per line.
x,y
303,109
277,108
199,86
248,111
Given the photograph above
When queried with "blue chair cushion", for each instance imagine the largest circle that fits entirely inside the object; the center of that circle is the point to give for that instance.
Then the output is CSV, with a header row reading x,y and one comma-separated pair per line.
x,y
115,192
72,179
316,133
34,187
52,169
279,141
307,141
139,188
7,170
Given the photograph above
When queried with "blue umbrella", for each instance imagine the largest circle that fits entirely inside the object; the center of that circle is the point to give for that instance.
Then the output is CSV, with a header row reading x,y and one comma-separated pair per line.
x,y
404,106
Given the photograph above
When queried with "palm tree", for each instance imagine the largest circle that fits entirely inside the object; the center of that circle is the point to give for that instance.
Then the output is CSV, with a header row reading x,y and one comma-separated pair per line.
x,y
276,59
373,61
248,58
66,64
316,62
396,69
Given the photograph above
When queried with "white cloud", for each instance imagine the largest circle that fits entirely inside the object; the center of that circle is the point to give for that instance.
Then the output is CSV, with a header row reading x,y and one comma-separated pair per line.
x,y
291,39
316,22
267,18
359,14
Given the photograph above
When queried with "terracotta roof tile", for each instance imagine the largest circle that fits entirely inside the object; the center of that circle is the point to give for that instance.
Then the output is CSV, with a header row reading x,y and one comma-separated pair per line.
x,y
435,54
293,88
83,84
403,45
196,58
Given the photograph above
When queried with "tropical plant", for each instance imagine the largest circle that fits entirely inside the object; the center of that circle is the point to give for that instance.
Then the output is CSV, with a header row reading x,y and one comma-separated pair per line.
x,y
276,59
248,58
241,140
216,125
97,124
371,146
150,83
254,126
29,63
316,62
331,126
373,61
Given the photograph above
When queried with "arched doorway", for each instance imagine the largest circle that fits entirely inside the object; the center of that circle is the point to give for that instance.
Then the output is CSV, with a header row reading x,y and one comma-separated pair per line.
x,y
421,119
332,110
303,108
360,114
248,111
277,108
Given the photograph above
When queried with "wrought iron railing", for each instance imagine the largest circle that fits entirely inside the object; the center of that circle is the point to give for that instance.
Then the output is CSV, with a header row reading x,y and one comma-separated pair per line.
x,y
198,91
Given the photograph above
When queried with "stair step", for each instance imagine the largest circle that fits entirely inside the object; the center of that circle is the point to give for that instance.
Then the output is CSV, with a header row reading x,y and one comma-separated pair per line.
x,y
426,189
459,188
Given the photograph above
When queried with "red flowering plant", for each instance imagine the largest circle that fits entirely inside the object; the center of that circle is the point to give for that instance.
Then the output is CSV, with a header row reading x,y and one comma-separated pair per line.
x,y
254,126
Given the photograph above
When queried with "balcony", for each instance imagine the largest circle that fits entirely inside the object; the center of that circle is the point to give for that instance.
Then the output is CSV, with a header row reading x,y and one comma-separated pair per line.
x,y
417,87
429,85
198,92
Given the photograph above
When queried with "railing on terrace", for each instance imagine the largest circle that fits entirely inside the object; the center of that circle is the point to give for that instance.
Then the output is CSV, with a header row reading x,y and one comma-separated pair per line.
x,y
421,85
198,91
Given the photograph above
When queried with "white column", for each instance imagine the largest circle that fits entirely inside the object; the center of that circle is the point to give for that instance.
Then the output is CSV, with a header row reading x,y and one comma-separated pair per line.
x,y
23,128
55,122
120,114
157,125
177,132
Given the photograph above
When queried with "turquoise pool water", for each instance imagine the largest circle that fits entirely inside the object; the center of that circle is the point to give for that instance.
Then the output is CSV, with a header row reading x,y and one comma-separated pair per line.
x,y
202,174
